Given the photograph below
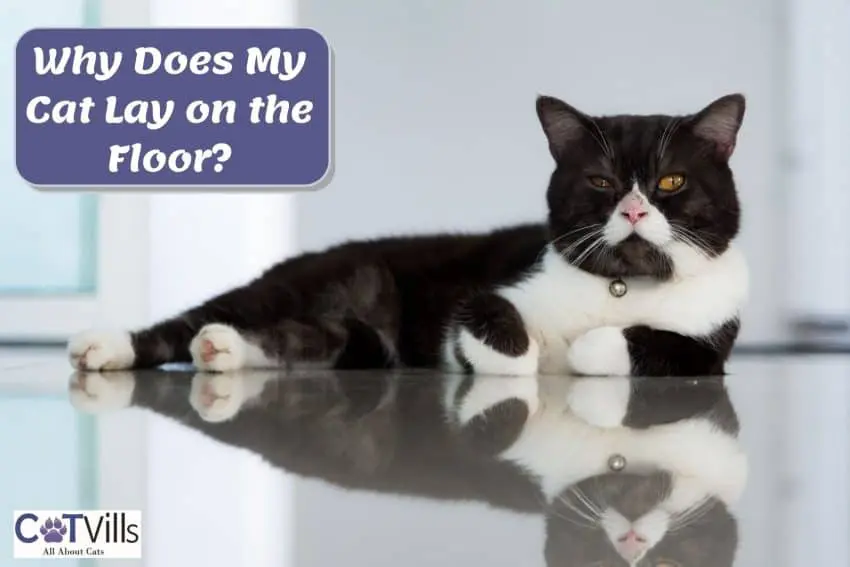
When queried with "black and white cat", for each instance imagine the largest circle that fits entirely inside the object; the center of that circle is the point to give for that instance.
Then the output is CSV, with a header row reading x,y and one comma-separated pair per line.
x,y
684,468
634,272
539,445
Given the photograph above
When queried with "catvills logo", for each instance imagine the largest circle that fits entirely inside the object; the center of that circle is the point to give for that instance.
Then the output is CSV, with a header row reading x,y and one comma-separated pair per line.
x,y
105,534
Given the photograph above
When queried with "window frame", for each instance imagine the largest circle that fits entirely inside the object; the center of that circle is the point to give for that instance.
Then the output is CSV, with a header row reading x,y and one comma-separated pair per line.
x,y
119,297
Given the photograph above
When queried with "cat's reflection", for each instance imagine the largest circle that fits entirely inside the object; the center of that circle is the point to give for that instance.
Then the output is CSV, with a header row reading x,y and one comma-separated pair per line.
x,y
616,519
640,472
633,472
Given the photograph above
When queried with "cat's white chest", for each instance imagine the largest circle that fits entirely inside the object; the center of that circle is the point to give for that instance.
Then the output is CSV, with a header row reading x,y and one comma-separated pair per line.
x,y
561,450
560,302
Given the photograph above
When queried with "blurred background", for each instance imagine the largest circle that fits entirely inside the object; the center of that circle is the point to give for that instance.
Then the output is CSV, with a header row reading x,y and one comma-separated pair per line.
x,y
434,130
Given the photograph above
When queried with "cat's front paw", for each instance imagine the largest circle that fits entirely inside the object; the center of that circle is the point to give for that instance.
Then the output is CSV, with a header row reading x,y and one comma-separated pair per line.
x,y
488,392
601,402
603,351
95,392
486,360
218,348
101,350
217,397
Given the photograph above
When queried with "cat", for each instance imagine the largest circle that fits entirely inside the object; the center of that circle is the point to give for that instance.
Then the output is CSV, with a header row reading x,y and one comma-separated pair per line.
x,y
532,445
684,468
635,271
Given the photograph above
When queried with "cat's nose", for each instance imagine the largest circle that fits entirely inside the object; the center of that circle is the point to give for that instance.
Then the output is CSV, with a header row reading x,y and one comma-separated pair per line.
x,y
631,546
633,211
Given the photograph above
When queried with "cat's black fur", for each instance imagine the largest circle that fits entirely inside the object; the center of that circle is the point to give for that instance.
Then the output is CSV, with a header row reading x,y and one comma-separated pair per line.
x,y
409,290
404,289
388,432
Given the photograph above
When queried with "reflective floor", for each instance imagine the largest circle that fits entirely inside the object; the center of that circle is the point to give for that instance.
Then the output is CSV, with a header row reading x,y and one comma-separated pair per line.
x,y
421,468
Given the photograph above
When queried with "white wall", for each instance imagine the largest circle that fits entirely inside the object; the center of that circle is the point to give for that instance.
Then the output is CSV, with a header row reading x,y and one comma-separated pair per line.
x,y
818,142
435,129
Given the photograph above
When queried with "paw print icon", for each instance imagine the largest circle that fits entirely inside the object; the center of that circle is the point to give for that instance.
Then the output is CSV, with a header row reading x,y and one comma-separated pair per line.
x,y
53,530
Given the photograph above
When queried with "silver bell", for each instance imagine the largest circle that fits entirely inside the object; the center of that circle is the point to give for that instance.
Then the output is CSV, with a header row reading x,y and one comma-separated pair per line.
x,y
618,288
617,463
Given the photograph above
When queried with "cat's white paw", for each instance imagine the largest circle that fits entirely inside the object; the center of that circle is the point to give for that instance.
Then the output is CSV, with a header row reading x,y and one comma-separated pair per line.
x,y
487,392
218,397
218,348
486,360
101,350
601,402
600,352
95,392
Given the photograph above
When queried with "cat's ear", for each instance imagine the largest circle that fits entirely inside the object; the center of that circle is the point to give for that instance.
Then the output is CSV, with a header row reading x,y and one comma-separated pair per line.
x,y
561,123
720,121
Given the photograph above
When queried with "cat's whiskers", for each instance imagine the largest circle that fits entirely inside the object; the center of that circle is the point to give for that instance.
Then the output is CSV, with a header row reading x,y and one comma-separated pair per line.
x,y
662,142
692,515
589,227
589,515
664,488
607,252
565,253
575,231
691,510
600,138
691,232
667,136
704,239
593,247
692,239
584,499
685,239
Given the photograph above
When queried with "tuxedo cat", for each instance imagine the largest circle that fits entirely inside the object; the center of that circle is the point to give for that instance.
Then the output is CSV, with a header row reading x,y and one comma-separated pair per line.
x,y
683,466
634,272
531,445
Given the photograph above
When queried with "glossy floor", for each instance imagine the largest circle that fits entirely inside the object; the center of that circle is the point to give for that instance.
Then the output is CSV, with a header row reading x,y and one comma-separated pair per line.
x,y
424,469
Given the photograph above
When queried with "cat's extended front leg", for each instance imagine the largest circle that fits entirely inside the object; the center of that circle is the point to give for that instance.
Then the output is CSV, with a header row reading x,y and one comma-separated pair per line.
x,y
490,337
269,322
210,346
169,340
643,351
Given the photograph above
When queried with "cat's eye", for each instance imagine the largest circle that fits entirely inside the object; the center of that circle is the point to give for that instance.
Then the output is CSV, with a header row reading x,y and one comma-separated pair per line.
x,y
670,183
599,182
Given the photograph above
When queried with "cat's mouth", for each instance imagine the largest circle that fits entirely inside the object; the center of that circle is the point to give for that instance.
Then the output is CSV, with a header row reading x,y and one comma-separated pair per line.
x,y
657,234
637,246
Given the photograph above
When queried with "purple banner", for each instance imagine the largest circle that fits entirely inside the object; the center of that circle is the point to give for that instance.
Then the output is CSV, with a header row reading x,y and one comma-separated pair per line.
x,y
173,108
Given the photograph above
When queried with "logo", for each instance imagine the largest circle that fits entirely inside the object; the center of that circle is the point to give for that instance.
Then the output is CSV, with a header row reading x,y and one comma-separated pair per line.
x,y
77,534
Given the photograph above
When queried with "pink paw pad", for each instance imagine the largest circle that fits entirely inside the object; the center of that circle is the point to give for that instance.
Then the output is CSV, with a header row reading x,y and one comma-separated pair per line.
x,y
208,396
208,350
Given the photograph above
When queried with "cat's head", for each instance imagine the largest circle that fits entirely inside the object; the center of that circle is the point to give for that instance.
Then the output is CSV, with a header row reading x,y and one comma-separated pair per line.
x,y
619,520
631,193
